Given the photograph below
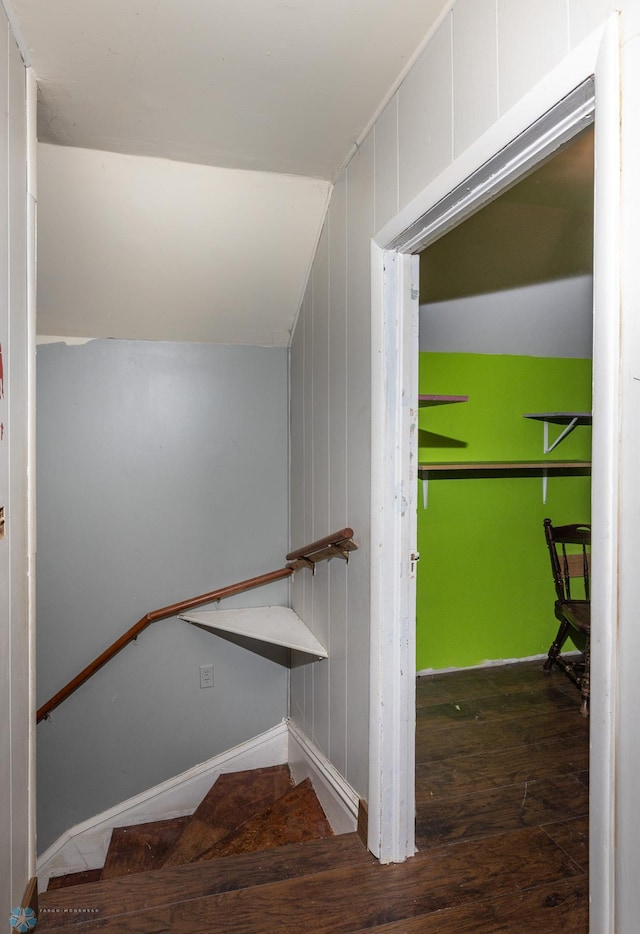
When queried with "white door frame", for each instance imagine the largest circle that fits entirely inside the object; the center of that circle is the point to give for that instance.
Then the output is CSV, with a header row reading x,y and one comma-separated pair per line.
x,y
546,118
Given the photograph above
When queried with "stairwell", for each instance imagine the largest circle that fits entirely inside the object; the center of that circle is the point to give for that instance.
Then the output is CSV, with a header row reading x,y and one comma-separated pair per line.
x,y
252,828
274,866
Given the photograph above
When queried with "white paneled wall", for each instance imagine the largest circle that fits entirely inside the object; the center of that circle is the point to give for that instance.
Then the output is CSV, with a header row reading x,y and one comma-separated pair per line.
x,y
531,40
338,509
475,81
17,836
425,116
386,168
483,58
585,16
320,473
360,205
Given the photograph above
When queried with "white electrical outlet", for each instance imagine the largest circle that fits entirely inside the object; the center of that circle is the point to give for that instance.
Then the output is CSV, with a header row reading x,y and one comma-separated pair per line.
x,y
206,676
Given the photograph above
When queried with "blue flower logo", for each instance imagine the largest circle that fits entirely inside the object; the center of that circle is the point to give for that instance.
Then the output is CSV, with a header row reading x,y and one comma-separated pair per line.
x,y
23,919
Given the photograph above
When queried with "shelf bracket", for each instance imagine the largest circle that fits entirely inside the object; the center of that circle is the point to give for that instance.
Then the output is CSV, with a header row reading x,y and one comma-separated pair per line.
x,y
425,488
339,552
548,448
308,563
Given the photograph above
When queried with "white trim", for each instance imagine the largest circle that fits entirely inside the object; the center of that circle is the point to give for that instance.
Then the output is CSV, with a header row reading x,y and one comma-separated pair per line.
x,y
394,413
539,141
338,799
605,488
392,375
31,92
85,845
17,32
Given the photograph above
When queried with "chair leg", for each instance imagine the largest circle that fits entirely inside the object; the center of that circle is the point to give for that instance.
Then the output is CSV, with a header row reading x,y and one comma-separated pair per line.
x,y
556,646
585,681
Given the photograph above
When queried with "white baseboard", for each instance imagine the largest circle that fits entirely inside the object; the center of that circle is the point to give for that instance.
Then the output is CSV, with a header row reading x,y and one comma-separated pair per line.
x,y
85,845
338,799
493,663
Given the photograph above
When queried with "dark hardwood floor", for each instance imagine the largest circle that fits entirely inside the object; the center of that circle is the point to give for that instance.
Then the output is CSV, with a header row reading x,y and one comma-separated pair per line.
x,y
502,758
502,805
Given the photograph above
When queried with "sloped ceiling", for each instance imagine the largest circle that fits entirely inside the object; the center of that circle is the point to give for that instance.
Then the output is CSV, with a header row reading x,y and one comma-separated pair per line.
x,y
140,248
270,95
274,85
539,230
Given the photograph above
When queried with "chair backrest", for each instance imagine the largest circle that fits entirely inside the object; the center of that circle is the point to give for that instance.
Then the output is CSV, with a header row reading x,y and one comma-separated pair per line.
x,y
570,551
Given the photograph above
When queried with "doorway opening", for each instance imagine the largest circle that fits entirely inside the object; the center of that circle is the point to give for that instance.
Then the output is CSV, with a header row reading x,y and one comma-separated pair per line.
x,y
506,323
505,331
508,157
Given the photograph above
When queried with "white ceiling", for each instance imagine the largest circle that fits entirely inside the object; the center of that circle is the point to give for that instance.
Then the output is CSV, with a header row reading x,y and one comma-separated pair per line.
x,y
269,89
274,85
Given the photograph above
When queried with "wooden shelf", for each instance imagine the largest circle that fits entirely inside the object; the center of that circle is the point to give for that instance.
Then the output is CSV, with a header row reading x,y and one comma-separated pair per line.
x,y
487,466
431,399
277,625
569,419
431,471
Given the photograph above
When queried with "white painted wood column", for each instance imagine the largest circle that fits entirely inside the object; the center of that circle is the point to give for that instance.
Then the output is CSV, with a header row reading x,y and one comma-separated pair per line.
x,y
605,491
394,452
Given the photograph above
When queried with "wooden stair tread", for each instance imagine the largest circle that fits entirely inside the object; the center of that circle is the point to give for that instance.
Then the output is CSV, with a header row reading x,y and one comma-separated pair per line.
x,y
295,817
162,887
345,900
74,878
233,798
141,846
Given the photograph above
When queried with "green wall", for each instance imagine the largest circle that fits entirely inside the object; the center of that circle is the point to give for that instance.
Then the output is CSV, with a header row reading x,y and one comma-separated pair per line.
x,y
484,580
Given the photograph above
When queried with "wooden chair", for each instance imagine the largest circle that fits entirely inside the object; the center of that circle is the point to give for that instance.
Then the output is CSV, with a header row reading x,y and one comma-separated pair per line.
x,y
570,551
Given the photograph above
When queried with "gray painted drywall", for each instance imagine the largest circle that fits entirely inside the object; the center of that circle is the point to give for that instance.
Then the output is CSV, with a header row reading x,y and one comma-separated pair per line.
x,y
549,319
162,473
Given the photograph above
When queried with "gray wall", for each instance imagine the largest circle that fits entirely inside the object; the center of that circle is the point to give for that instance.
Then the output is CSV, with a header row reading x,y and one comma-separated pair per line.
x,y
162,473
549,319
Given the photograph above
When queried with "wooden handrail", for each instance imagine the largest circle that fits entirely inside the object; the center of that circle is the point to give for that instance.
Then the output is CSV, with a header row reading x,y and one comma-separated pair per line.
x,y
163,613
340,543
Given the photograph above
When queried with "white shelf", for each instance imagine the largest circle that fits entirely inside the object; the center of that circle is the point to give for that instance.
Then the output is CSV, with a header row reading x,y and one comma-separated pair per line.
x,y
277,625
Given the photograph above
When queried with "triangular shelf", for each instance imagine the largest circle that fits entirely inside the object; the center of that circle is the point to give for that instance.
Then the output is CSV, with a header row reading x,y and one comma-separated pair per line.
x,y
278,625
